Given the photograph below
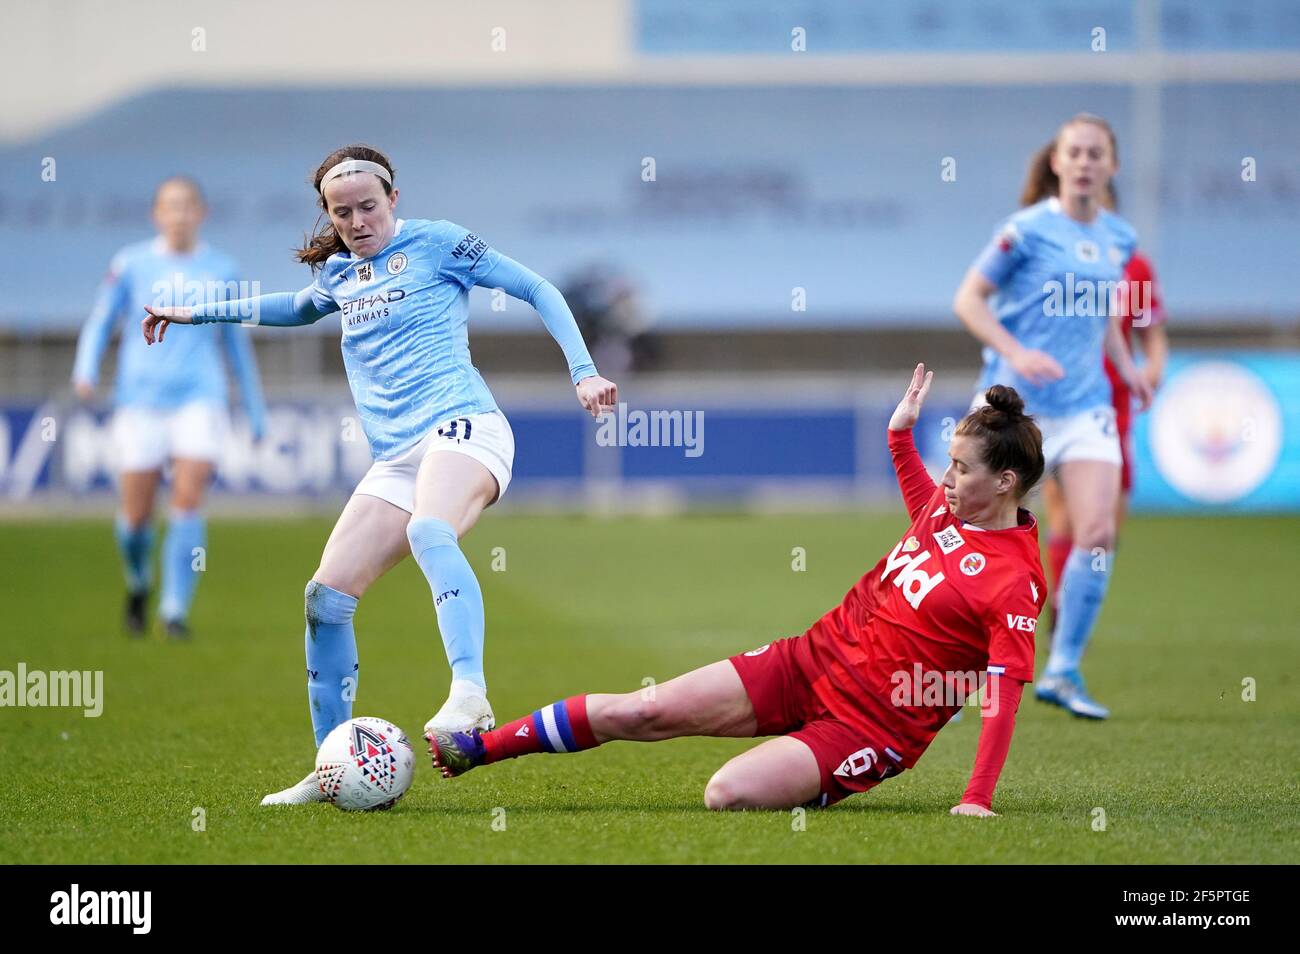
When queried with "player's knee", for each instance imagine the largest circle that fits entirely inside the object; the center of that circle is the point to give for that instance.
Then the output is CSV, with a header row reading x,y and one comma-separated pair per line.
x,y
721,794
312,602
323,603
424,532
187,498
1096,535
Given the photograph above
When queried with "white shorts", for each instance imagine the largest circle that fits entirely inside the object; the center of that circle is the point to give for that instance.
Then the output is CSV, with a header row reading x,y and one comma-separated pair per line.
x,y
145,438
1088,435
485,437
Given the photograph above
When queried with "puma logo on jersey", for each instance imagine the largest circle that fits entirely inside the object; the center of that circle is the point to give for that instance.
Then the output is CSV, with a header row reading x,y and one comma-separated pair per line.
x,y
1026,623
523,732
1034,590
943,508
914,582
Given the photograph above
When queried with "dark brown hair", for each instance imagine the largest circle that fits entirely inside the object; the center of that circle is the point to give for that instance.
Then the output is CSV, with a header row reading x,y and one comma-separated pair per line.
x,y
1041,182
1009,437
324,241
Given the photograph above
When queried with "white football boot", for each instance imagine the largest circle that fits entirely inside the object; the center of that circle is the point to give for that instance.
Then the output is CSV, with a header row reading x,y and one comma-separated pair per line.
x,y
466,709
304,793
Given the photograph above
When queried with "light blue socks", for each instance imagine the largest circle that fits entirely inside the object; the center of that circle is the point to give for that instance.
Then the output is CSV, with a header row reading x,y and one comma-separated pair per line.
x,y
186,532
332,667
135,545
1083,587
456,595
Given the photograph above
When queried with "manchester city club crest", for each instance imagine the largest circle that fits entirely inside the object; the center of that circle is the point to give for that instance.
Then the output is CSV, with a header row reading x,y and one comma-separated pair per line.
x,y
396,262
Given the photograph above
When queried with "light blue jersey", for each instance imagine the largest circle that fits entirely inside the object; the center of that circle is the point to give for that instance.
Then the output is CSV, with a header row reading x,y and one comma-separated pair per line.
x,y
185,368
1058,280
404,314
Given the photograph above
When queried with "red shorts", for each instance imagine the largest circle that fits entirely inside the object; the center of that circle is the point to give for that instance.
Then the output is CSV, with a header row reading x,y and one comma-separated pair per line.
x,y
852,756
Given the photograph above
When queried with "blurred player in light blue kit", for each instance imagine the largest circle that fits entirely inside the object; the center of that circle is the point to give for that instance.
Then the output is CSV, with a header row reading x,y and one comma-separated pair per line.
x,y
1056,268
169,408
443,452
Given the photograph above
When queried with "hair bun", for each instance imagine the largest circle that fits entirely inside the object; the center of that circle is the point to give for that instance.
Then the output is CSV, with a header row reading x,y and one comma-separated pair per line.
x,y
1007,401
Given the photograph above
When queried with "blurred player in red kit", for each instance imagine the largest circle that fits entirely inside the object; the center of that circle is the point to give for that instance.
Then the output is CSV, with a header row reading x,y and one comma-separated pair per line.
x,y
858,697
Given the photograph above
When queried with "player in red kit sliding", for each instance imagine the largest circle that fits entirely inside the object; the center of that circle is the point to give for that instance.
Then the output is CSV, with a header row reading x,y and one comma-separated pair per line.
x,y
859,696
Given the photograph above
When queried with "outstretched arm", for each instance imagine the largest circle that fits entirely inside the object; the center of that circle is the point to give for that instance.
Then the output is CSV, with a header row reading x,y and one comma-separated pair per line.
x,y
279,309
913,479
996,728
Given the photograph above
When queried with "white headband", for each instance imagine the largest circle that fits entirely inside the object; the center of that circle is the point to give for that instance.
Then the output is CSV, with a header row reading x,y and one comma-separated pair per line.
x,y
349,166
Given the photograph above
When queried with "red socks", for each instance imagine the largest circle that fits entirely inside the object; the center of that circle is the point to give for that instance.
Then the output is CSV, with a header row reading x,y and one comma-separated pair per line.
x,y
1058,551
559,727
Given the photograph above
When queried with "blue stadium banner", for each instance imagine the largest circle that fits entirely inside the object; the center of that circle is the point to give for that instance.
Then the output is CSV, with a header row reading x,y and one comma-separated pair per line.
x,y
1223,435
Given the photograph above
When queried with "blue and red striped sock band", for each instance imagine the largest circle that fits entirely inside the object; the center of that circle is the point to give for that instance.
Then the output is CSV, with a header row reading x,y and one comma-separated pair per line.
x,y
559,727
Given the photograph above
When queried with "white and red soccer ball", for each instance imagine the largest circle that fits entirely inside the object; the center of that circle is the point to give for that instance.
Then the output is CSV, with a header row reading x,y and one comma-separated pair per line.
x,y
365,764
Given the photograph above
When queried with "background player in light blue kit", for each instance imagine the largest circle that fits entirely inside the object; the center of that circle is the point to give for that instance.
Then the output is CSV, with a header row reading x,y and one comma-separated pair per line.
x,y
442,449
1055,268
169,408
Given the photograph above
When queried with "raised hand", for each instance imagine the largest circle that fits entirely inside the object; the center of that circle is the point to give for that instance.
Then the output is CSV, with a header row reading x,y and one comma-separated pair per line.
x,y
909,409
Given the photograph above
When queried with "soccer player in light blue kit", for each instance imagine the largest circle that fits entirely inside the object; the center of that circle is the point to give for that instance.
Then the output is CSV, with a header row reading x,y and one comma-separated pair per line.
x,y
442,450
1055,268
170,410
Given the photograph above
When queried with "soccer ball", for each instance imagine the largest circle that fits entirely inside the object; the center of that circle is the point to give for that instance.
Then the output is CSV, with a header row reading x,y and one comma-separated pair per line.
x,y
365,765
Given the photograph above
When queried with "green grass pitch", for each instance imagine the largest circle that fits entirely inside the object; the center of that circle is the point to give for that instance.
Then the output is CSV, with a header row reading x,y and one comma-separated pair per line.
x,y
1186,771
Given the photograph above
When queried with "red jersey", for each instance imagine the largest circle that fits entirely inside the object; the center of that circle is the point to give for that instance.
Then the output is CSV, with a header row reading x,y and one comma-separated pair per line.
x,y
1138,298
948,603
